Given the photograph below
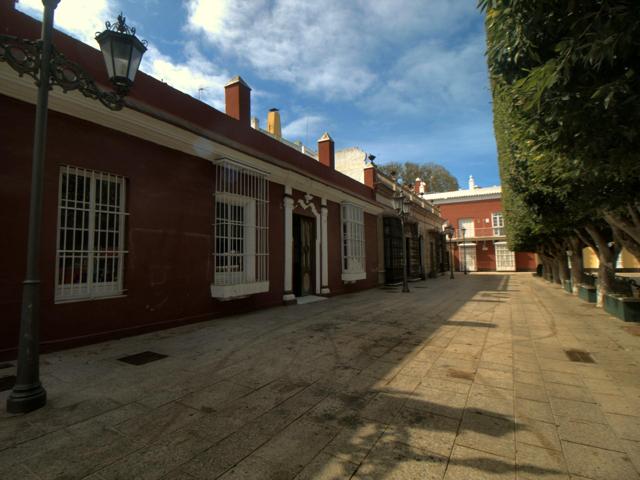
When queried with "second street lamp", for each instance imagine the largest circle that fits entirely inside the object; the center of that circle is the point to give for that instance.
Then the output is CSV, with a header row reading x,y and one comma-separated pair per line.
x,y
49,67
402,207
449,229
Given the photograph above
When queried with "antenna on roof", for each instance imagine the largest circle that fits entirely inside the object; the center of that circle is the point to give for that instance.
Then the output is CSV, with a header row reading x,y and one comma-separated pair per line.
x,y
200,90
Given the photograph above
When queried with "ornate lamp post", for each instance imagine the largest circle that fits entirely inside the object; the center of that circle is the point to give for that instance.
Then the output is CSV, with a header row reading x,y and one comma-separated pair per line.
x,y
463,253
401,204
122,53
448,230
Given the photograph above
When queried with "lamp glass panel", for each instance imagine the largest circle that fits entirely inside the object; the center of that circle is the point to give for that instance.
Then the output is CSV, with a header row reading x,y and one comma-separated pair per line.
x,y
136,57
107,53
121,55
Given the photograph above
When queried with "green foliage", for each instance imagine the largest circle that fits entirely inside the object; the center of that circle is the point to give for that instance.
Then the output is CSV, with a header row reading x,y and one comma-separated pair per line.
x,y
566,93
437,177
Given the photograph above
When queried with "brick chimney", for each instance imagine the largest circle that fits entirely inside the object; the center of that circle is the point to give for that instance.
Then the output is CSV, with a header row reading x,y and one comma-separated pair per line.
x,y
273,123
370,176
326,151
419,187
237,99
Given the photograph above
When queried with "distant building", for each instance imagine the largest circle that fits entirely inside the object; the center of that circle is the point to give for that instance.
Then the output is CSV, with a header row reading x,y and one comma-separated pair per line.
x,y
480,241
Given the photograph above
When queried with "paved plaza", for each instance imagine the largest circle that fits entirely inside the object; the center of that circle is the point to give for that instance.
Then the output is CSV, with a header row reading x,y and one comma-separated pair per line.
x,y
460,379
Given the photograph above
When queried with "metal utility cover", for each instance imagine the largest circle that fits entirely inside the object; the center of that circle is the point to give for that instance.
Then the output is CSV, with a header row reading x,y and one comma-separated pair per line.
x,y
579,356
142,358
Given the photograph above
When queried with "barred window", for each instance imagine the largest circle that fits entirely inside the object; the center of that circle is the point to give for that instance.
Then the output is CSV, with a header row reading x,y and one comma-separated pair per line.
x,y
91,228
497,222
353,247
241,230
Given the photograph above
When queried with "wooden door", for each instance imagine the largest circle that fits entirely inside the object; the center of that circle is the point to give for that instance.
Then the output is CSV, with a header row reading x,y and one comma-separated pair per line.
x,y
303,255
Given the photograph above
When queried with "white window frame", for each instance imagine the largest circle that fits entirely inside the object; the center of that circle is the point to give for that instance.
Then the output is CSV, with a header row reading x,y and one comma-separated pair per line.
x,y
89,255
497,223
225,273
240,186
353,243
507,258
469,226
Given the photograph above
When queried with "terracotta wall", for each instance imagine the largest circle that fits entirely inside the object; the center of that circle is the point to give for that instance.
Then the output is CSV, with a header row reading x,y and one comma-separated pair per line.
x,y
168,269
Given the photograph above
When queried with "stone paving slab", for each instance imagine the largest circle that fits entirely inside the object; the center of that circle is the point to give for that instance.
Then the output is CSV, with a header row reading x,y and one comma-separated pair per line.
x,y
462,379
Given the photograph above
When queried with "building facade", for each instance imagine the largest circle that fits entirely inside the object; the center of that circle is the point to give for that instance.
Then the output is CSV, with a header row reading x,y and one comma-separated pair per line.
x,y
422,233
480,241
169,211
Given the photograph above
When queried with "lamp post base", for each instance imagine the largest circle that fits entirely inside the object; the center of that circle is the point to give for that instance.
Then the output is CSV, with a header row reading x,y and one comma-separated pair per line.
x,y
26,398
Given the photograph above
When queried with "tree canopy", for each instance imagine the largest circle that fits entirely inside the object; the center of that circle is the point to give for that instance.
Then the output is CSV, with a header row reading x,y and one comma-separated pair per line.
x,y
437,177
566,91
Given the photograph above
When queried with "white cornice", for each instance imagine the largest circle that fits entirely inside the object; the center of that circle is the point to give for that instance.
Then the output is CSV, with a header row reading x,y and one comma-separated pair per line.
x,y
163,133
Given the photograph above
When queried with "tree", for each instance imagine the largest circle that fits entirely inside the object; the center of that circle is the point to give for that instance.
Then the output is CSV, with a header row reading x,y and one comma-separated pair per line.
x,y
437,177
566,115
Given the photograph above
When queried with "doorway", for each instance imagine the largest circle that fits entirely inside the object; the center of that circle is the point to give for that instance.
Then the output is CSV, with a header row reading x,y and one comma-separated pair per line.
x,y
303,255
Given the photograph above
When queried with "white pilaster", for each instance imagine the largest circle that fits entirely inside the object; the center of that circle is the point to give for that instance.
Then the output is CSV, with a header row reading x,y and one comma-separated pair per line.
x,y
288,245
325,248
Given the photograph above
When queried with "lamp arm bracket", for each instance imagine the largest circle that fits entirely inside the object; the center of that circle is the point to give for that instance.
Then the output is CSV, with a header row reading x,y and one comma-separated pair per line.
x,y
24,57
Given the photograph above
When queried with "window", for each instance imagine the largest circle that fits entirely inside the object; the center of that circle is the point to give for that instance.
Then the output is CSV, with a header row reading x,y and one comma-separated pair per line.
x,y
91,228
497,221
353,252
469,228
241,231
505,258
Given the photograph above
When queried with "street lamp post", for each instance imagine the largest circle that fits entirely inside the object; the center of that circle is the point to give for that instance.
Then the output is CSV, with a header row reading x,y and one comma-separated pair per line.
x,y
401,205
449,229
463,253
49,67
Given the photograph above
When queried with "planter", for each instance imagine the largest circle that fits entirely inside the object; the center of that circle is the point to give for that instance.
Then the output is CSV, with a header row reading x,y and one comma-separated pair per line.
x,y
588,293
624,308
567,286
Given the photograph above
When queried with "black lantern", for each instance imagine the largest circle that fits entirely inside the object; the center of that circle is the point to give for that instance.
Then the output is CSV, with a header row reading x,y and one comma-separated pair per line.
x,y
122,52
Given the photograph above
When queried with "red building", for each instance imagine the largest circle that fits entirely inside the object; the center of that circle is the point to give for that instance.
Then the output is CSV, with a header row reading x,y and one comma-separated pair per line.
x,y
168,211
480,241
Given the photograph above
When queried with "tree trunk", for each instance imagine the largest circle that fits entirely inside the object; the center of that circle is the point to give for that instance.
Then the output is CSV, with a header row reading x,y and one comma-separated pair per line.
x,y
555,269
624,240
577,264
606,269
559,254
626,229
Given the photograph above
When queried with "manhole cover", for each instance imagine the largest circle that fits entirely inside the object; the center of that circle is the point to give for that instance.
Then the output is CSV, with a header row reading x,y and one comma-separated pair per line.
x,y
7,383
460,374
579,356
142,358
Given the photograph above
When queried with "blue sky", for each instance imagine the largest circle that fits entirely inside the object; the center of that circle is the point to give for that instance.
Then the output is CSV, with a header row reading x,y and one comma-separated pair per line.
x,y
405,80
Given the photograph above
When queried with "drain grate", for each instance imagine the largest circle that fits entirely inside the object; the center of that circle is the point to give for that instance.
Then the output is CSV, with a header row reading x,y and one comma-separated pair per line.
x,y
5,365
7,383
142,358
579,356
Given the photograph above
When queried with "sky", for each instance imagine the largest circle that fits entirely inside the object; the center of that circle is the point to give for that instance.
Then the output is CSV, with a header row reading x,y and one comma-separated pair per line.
x,y
405,80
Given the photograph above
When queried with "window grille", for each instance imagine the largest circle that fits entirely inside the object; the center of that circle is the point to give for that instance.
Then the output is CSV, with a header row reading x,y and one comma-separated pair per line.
x,y
497,221
241,226
353,248
91,230
505,258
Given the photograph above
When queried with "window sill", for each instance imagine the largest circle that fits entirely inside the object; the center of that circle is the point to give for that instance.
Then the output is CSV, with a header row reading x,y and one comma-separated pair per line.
x,y
229,292
352,277
88,299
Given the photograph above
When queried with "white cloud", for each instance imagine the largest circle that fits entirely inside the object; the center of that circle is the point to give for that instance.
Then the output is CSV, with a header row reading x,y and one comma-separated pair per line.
x,y
80,18
195,76
435,78
336,49
304,128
